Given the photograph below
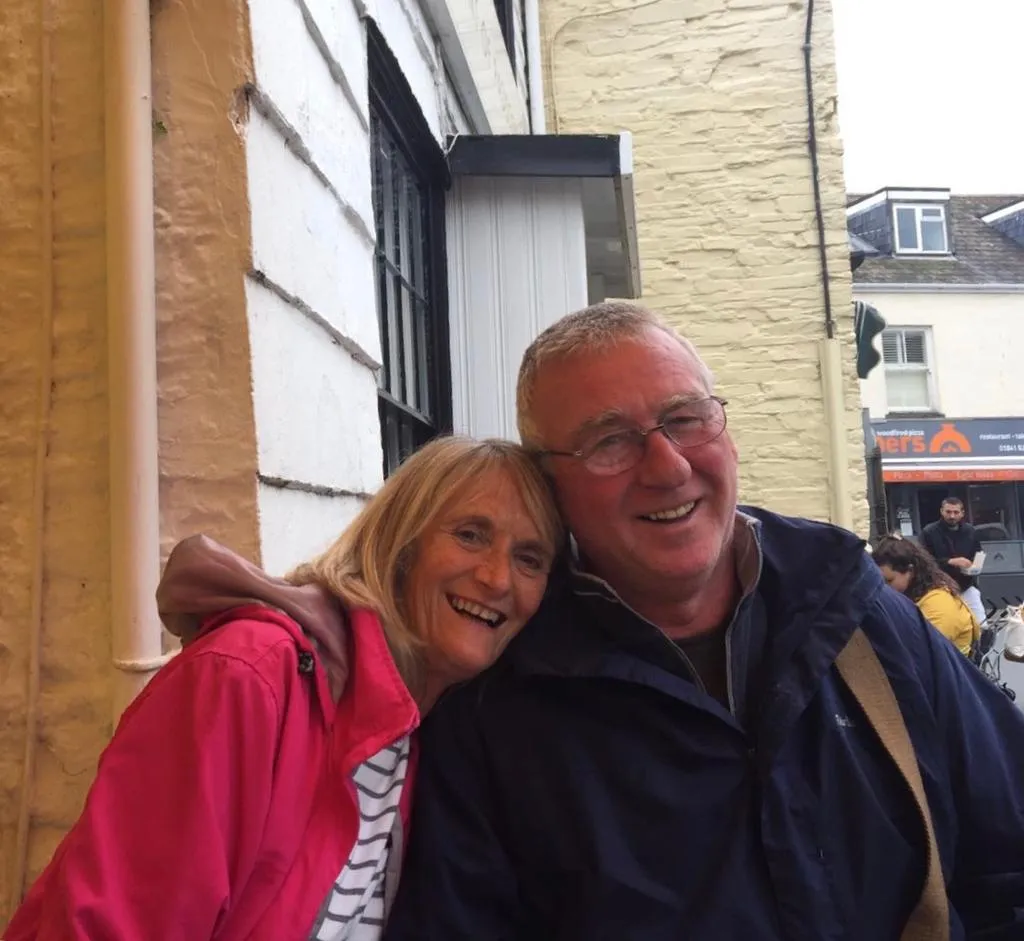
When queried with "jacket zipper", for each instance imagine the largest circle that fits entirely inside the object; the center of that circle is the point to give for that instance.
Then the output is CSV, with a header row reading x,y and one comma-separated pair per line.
x,y
681,654
728,662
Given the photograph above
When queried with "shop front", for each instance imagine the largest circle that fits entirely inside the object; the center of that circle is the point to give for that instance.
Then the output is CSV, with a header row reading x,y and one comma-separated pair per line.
x,y
979,460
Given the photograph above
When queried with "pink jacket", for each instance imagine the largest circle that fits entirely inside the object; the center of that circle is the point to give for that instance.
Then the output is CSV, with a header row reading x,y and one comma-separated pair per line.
x,y
243,813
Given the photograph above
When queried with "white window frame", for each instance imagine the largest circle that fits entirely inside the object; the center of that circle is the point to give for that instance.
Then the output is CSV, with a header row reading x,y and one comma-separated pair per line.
x,y
920,250
928,368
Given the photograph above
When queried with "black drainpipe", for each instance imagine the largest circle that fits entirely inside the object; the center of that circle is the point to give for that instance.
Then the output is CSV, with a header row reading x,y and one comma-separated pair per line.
x,y
812,145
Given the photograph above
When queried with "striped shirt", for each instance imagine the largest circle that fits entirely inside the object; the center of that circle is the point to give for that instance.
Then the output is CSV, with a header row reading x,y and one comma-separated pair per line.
x,y
355,908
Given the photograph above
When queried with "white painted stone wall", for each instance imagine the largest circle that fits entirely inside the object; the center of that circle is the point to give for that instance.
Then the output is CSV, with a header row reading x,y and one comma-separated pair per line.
x,y
978,345
310,295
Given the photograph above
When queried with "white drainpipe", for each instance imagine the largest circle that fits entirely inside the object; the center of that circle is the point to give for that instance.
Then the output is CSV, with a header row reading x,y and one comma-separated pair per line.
x,y
131,323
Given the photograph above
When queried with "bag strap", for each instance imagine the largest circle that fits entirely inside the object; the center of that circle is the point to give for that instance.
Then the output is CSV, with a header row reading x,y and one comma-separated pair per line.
x,y
863,674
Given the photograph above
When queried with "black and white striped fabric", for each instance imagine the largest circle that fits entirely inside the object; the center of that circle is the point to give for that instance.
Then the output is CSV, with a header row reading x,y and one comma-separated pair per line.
x,y
355,909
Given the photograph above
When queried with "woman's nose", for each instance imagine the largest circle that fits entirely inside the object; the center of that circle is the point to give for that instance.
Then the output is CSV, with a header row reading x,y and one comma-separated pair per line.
x,y
495,571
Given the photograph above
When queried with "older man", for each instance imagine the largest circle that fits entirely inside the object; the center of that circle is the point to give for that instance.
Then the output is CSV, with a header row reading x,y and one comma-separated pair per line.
x,y
668,751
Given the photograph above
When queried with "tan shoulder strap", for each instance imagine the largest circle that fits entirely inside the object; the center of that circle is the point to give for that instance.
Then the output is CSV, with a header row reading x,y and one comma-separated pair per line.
x,y
863,674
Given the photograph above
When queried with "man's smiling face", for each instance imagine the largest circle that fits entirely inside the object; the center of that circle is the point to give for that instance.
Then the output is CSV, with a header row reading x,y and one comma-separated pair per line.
x,y
669,519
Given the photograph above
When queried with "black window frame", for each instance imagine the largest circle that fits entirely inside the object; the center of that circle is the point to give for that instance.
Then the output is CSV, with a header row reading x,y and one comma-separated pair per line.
x,y
397,124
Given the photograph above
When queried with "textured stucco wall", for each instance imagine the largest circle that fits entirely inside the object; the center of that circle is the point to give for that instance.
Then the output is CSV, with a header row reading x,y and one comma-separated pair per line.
x,y
54,542
54,598
714,94
202,63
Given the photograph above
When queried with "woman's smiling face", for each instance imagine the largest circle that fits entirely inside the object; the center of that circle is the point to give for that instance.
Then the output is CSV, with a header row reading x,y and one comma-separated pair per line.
x,y
478,575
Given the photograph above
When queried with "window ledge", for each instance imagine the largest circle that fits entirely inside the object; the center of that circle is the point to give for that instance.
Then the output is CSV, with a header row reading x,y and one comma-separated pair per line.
x,y
913,413
903,253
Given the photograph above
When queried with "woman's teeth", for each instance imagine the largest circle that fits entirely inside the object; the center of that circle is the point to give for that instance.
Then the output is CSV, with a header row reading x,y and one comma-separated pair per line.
x,y
490,617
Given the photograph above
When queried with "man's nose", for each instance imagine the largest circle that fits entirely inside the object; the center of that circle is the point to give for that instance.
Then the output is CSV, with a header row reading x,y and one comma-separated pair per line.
x,y
663,464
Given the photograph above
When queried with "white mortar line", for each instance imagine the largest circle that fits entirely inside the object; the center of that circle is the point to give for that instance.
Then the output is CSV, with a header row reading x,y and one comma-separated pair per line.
x,y
320,490
333,65
294,142
346,343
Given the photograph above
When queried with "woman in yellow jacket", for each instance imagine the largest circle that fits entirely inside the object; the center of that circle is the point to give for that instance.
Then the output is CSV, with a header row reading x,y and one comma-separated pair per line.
x,y
912,571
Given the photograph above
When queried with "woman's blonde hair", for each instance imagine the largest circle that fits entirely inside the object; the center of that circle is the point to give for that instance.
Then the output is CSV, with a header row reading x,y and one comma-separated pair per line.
x,y
366,565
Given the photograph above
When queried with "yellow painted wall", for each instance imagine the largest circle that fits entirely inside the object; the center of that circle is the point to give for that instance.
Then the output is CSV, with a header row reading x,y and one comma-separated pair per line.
x,y
54,525
202,63
53,442
714,95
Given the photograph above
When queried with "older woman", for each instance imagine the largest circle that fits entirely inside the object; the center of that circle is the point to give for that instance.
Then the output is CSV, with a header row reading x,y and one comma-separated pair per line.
x,y
258,787
911,570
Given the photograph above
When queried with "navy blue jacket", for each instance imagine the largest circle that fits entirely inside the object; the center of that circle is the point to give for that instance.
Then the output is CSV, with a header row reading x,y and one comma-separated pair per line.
x,y
585,788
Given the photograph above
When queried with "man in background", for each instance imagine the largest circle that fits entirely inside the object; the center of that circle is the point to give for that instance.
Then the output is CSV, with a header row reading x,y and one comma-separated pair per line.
x,y
954,544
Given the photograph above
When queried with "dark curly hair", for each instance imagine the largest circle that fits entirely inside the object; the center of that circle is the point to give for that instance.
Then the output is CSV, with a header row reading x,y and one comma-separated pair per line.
x,y
905,555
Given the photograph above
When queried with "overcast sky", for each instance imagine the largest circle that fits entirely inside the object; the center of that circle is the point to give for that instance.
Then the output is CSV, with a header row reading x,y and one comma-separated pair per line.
x,y
931,93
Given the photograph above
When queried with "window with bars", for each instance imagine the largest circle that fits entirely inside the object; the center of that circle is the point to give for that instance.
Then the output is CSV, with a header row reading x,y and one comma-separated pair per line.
x,y
921,230
908,376
414,397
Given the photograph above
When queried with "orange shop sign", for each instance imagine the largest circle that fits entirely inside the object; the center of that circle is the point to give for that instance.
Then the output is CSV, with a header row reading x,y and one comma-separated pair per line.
x,y
946,438
944,475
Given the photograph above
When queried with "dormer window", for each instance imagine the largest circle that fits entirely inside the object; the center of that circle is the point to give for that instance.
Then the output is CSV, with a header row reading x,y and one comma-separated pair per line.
x,y
920,230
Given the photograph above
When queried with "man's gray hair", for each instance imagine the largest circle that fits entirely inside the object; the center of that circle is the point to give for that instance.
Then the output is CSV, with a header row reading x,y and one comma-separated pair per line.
x,y
589,330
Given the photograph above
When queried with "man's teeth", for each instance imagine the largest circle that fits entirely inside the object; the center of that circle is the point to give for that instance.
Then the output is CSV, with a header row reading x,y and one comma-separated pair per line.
x,y
494,618
678,513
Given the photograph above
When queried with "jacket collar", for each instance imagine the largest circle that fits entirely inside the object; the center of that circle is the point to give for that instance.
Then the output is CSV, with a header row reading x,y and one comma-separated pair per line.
x,y
376,707
746,551
815,582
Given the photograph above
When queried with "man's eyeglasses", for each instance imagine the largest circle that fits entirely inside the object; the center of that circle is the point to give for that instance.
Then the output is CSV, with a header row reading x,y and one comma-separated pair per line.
x,y
613,452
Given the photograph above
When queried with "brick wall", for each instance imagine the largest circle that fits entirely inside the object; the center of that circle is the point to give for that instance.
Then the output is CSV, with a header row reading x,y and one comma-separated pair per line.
x,y
714,95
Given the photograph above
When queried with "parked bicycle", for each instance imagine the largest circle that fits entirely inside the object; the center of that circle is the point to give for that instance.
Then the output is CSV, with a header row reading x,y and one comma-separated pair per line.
x,y
990,649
